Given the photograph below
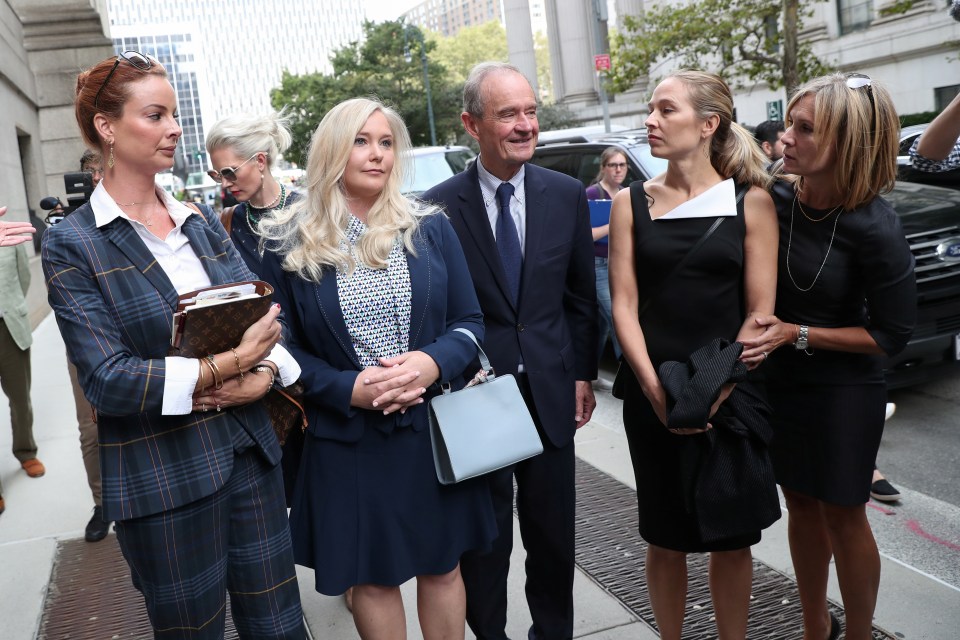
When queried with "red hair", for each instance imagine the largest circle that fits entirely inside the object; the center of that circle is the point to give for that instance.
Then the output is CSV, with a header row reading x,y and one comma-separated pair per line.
x,y
112,96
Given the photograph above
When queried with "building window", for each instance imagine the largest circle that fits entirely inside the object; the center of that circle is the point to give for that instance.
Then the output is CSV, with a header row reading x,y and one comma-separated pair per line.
x,y
942,96
855,15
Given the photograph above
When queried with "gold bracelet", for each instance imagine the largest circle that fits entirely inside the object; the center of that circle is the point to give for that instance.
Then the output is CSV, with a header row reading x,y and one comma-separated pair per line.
x,y
202,386
236,359
215,370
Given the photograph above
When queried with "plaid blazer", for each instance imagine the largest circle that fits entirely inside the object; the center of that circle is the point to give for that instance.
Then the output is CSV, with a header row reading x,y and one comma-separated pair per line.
x,y
114,305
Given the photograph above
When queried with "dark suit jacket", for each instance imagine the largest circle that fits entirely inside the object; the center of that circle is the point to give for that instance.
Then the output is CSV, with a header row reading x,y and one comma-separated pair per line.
x,y
554,327
442,300
114,305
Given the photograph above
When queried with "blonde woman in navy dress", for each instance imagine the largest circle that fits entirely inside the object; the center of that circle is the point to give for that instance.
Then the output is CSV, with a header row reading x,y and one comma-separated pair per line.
x,y
846,297
374,286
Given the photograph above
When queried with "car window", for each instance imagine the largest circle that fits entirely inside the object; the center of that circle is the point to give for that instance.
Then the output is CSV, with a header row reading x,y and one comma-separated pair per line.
x,y
459,159
428,170
562,160
906,143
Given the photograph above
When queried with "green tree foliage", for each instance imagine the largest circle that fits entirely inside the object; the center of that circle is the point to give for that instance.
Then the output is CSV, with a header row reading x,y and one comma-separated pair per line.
x,y
385,63
742,40
472,45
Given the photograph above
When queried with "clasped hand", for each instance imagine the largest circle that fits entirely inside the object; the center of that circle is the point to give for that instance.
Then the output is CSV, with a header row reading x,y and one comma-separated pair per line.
x,y
773,334
397,384
233,393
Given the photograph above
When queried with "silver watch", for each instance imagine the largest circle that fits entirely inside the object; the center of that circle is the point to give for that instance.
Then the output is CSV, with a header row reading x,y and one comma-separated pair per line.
x,y
803,339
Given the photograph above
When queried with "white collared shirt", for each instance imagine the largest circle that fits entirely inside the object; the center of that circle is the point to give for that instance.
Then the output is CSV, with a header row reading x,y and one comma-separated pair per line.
x,y
176,257
518,208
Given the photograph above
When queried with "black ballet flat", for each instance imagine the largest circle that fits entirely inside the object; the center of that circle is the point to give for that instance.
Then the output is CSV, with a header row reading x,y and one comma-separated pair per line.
x,y
834,627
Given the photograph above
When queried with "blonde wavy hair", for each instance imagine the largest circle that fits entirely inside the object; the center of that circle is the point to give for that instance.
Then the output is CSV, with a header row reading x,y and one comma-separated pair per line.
x,y
862,126
310,233
733,151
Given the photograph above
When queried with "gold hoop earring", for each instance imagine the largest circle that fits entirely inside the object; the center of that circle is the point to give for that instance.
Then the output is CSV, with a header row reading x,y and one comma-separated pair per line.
x,y
111,160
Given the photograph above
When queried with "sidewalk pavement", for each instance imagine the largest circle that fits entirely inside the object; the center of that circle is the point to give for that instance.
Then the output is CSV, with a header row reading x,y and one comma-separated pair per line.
x,y
40,512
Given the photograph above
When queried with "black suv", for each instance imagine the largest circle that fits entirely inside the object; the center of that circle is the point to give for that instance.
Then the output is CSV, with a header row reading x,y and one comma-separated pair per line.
x,y
930,217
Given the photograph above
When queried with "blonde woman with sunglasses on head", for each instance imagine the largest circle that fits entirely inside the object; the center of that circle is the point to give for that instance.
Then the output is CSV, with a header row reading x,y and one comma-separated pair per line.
x,y
846,297
196,493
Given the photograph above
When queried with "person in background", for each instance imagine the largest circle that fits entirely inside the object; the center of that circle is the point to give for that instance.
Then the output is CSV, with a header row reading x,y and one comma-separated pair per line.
x,y
728,281
609,181
525,232
97,528
938,147
846,297
196,493
15,339
376,291
768,134
16,232
246,148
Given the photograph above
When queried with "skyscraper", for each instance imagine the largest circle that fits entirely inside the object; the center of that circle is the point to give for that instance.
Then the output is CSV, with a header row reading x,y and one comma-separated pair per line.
x,y
231,53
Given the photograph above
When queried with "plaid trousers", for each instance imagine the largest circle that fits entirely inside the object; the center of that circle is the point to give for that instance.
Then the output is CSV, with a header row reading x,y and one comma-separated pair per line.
x,y
236,540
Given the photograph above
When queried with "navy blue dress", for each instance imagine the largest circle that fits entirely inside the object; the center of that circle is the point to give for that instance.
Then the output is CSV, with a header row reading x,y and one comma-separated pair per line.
x,y
368,508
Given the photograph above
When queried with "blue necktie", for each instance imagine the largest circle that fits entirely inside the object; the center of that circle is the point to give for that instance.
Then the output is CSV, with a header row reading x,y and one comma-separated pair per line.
x,y
508,241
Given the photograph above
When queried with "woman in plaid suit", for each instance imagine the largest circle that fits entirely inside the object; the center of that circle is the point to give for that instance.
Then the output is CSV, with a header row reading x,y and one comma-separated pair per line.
x,y
187,454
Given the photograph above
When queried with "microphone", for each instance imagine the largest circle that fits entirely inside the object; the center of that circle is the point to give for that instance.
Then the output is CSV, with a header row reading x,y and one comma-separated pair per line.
x,y
955,10
50,202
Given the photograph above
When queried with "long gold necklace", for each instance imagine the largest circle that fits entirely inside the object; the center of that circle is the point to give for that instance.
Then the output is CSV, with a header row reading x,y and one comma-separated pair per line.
x,y
827,255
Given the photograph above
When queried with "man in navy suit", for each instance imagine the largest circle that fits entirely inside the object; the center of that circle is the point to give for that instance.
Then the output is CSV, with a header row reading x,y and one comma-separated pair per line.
x,y
526,235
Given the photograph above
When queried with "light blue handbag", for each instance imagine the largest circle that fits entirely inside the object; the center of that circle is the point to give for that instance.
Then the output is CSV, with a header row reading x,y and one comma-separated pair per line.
x,y
481,428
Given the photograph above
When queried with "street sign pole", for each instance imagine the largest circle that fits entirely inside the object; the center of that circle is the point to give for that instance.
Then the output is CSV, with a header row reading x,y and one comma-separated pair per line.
x,y
601,61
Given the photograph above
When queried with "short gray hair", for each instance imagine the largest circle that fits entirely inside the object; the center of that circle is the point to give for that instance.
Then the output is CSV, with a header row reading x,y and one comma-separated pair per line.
x,y
472,89
247,134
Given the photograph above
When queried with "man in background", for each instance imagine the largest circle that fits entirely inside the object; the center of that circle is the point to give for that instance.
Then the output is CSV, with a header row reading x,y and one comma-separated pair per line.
x,y
15,340
768,134
97,528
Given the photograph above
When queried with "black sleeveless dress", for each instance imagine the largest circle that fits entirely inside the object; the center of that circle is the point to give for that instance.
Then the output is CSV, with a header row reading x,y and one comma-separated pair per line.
x,y
703,301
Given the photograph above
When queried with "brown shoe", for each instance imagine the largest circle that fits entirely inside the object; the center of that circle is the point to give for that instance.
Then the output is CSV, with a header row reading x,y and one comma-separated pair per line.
x,y
3,506
33,467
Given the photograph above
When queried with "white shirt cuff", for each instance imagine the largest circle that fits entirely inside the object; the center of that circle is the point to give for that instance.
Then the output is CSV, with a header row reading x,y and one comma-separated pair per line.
x,y
179,384
287,367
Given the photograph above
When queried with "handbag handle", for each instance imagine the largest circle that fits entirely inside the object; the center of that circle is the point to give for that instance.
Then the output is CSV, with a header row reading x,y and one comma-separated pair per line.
x,y
484,360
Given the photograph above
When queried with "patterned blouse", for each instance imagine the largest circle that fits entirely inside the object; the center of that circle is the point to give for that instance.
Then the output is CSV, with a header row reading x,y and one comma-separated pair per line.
x,y
376,302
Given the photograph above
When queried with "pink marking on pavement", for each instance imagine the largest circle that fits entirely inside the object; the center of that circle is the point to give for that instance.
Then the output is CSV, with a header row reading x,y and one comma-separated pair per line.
x,y
884,511
914,526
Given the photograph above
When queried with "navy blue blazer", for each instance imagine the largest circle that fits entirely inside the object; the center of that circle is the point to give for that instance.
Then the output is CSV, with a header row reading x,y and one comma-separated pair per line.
x,y
553,328
442,300
114,305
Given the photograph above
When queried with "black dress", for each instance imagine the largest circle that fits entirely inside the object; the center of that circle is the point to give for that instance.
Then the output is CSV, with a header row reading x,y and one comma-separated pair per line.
x,y
828,406
703,301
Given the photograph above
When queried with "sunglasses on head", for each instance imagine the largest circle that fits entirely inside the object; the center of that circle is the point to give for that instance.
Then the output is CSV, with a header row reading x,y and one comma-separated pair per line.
x,y
139,60
229,173
858,81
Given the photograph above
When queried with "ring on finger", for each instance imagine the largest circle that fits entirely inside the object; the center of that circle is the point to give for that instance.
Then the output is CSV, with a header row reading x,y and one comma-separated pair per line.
x,y
764,354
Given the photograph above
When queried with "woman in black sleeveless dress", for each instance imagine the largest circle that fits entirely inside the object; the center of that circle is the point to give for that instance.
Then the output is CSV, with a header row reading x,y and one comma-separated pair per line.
x,y
728,280
846,297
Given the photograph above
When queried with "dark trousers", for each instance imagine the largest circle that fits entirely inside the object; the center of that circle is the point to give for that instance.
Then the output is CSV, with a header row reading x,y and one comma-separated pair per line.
x,y
185,560
15,382
546,506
